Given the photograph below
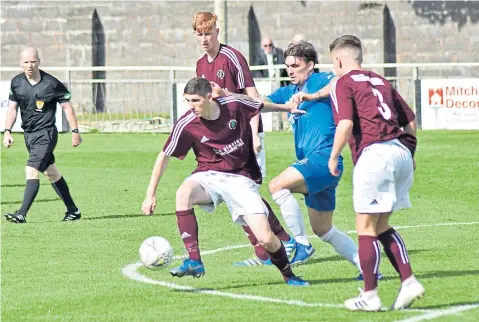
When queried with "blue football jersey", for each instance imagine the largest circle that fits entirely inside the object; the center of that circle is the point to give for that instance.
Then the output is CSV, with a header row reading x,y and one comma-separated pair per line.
x,y
314,130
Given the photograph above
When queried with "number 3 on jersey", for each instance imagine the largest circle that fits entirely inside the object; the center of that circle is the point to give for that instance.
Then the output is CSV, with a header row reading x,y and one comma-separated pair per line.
x,y
383,108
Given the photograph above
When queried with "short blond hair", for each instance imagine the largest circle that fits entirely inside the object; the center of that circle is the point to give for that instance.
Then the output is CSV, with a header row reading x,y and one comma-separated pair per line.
x,y
204,21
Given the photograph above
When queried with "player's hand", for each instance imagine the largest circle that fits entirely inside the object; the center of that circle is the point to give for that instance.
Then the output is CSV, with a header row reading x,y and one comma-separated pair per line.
x,y
7,139
303,97
333,167
293,108
76,139
217,90
149,205
256,144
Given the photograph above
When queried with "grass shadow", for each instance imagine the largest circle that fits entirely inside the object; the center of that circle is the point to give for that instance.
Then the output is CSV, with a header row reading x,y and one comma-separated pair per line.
x,y
36,200
16,185
125,216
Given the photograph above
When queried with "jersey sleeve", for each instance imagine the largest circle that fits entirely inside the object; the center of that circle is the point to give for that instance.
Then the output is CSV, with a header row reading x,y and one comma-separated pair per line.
x,y
179,142
342,98
62,94
248,108
12,95
404,112
280,96
241,72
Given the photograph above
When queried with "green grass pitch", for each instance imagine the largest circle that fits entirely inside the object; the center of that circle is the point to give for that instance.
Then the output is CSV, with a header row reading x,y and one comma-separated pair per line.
x,y
52,270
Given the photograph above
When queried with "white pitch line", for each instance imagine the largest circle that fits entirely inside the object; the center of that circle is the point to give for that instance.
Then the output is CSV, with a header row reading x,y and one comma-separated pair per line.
x,y
439,313
131,271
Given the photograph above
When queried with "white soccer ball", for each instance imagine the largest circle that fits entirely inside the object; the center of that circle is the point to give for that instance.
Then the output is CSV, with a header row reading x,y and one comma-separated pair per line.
x,y
156,252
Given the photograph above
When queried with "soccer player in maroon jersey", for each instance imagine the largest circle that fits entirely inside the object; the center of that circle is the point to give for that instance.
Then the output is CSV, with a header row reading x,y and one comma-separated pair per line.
x,y
219,132
227,67
381,131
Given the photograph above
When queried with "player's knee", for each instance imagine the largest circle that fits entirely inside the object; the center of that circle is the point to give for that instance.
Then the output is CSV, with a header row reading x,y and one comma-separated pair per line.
x,y
184,193
31,173
322,222
274,186
322,229
366,224
267,240
52,176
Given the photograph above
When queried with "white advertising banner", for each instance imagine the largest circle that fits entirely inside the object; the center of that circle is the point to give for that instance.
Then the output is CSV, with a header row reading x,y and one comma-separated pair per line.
x,y
450,104
4,93
264,88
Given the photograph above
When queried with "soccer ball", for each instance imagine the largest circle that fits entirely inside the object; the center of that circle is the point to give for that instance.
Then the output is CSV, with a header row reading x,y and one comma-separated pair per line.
x,y
156,252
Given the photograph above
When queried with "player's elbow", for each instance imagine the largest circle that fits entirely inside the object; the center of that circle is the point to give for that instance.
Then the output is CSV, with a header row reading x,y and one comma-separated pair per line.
x,y
345,125
411,128
66,106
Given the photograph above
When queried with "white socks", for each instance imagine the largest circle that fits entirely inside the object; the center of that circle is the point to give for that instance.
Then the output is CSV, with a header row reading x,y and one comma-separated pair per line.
x,y
292,214
343,245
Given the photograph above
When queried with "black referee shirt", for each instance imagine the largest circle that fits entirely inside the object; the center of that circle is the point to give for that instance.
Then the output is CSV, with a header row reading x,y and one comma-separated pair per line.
x,y
38,103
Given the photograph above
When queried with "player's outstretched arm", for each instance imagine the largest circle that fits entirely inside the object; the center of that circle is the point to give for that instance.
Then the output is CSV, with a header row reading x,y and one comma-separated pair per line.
x,y
343,132
10,120
289,107
319,95
72,121
159,169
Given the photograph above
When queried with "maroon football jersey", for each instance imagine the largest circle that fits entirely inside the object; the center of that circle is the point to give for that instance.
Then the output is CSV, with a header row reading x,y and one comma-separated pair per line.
x,y
376,109
224,144
229,70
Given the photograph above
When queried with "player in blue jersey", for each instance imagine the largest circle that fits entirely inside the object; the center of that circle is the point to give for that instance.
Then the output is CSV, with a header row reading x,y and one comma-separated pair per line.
x,y
310,176
313,137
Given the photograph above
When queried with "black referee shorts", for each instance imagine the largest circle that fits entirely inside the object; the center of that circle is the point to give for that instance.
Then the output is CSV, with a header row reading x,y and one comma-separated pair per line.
x,y
40,145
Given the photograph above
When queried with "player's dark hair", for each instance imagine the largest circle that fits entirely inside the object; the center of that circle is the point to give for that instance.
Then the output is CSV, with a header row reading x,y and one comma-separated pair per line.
x,y
198,85
348,41
303,50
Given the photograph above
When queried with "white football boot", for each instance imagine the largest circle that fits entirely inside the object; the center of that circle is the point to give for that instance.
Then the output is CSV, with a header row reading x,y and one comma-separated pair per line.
x,y
366,301
410,290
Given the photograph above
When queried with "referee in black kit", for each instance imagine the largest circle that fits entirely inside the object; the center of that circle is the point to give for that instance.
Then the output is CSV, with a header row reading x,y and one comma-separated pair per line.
x,y
37,94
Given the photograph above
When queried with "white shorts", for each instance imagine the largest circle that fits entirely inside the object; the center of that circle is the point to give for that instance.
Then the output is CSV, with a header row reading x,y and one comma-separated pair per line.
x,y
261,156
382,178
238,192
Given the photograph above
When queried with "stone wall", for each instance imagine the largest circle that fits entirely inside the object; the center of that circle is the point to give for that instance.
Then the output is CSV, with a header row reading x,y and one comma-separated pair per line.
x,y
159,33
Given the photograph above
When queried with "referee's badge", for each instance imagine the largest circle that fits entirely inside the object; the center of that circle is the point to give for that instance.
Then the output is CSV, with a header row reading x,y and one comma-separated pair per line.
x,y
39,104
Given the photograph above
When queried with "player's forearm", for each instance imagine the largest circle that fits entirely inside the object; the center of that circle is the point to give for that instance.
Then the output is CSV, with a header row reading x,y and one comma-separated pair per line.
x,y
324,92
273,107
343,132
243,96
158,170
252,92
254,124
70,114
411,128
11,116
